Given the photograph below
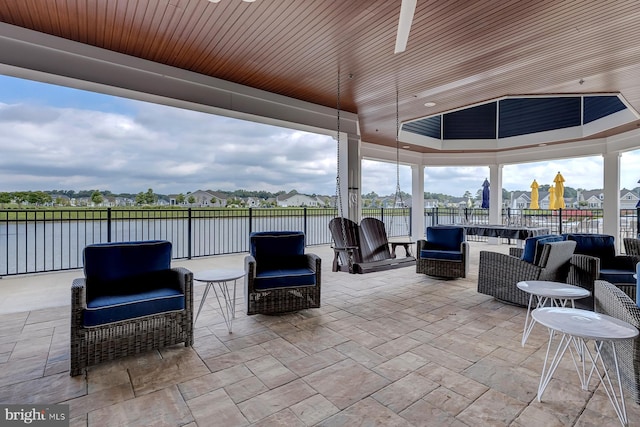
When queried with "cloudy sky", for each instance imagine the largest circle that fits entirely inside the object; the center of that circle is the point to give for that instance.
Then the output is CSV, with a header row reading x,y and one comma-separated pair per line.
x,y
56,138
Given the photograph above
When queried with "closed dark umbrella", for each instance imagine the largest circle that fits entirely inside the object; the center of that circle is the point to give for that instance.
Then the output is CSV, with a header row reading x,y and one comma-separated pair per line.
x,y
638,204
485,194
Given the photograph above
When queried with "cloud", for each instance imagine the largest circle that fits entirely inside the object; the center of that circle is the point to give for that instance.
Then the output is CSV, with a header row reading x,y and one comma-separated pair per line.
x,y
128,146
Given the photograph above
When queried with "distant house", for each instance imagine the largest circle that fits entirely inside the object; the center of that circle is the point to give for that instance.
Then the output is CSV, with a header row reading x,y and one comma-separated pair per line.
x,y
297,199
206,198
592,199
628,200
431,203
520,200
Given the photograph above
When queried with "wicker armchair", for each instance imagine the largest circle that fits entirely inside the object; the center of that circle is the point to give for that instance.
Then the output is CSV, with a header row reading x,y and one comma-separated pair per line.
x,y
280,277
129,301
631,246
499,273
445,253
610,300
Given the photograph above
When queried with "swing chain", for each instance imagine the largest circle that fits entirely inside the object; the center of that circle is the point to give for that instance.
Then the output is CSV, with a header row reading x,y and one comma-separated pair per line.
x,y
398,194
338,190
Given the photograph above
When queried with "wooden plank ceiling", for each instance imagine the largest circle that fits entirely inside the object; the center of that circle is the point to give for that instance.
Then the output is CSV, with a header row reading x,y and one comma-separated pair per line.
x,y
459,52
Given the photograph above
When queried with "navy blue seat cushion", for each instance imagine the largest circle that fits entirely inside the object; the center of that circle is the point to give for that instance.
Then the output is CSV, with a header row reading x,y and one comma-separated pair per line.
x,y
128,280
442,255
280,259
613,275
282,278
113,308
533,246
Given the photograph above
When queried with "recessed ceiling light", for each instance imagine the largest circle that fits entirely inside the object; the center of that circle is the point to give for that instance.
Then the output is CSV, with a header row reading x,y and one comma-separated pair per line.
x,y
406,147
429,104
542,145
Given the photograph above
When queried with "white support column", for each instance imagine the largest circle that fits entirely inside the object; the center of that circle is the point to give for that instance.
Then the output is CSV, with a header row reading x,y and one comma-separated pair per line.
x,y
417,202
495,195
495,199
611,204
354,181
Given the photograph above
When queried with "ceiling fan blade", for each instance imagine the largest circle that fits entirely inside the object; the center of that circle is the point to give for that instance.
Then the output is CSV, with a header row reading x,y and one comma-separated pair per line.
x,y
407,10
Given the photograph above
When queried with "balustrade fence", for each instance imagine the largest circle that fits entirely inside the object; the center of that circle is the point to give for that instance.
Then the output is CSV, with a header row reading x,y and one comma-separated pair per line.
x,y
33,241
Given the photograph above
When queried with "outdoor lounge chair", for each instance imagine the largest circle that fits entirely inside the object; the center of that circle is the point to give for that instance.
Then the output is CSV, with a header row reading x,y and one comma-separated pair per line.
x,y
280,277
610,300
444,253
129,301
631,246
499,273
363,249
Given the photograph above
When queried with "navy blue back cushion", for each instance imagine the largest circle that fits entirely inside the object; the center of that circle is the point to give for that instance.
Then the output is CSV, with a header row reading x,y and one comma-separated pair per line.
x,y
277,249
597,245
109,262
282,243
446,238
533,246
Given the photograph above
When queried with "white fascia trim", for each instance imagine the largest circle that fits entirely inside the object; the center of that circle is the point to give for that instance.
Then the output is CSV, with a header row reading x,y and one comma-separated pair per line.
x,y
38,56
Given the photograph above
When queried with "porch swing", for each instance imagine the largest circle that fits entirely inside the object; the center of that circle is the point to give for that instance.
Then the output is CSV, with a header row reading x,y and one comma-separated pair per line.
x,y
361,248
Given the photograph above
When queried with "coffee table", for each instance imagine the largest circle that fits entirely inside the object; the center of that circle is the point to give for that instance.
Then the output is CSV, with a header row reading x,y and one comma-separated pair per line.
x,y
578,327
555,293
405,242
222,278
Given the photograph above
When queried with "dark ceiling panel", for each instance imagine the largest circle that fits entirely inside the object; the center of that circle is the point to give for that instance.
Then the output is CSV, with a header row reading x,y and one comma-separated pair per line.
x,y
522,116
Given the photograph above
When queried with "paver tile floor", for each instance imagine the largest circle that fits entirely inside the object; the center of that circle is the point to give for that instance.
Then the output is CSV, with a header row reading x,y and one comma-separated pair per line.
x,y
392,348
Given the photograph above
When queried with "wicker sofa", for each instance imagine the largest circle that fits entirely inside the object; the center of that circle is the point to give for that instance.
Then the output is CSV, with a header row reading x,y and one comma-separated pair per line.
x,y
280,277
499,273
129,301
610,300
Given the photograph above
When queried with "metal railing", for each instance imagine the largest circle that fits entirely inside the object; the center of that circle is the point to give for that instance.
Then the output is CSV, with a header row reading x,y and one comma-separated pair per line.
x,y
33,241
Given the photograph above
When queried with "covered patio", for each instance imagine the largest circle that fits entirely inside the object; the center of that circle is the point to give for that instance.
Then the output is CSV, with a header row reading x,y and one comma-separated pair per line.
x,y
386,348
421,83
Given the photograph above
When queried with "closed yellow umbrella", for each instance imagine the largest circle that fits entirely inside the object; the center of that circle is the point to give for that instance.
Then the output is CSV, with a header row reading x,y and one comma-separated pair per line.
x,y
559,180
552,198
534,195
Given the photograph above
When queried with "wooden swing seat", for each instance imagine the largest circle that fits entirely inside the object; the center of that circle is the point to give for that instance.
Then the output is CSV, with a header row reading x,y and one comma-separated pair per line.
x,y
366,248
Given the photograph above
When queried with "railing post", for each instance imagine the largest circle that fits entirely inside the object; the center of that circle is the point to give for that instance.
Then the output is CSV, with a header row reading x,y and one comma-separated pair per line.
x,y
304,221
410,222
382,213
189,229
108,225
250,220
436,215
559,220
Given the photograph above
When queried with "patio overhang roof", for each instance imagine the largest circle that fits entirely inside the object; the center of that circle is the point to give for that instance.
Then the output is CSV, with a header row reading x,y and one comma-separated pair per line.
x,y
278,62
